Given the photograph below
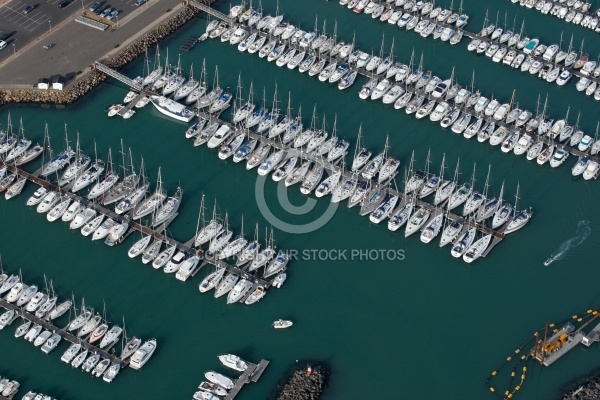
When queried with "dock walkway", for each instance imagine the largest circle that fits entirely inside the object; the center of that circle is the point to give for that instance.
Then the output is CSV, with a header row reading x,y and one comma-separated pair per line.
x,y
157,233
62,332
252,373
370,75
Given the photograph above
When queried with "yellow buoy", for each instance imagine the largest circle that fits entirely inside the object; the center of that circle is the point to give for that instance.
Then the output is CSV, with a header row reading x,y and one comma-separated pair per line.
x,y
518,387
512,373
595,312
508,358
524,369
517,351
579,319
551,325
507,393
574,316
589,311
494,373
509,396
523,377
492,389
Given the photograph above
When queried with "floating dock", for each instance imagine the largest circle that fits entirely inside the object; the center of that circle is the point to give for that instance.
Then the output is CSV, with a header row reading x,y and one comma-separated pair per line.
x,y
364,72
62,332
252,374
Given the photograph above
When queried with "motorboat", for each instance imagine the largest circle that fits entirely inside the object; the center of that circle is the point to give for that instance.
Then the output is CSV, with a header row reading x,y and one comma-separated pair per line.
x,y
8,283
38,196
101,231
101,367
592,170
82,218
523,144
219,379
143,354
75,208
111,373
91,362
80,358
49,201
71,352
172,108
23,329
241,289
33,333
559,158
580,166
51,343
26,294
58,210
510,142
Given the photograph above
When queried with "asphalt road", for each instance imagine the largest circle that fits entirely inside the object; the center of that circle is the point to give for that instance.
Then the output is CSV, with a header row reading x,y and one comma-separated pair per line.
x,y
77,46
46,16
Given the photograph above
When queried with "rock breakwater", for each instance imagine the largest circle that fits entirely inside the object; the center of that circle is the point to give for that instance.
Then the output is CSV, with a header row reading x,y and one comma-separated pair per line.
x,y
305,384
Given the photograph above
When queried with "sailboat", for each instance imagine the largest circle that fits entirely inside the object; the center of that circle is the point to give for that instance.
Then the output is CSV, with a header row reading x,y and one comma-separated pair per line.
x,y
280,127
462,194
135,193
169,209
210,97
200,90
126,186
476,199
361,154
520,219
433,181
92,173
271,118
490,206
110,179
186,89
243,111
152,203
73,170
156,73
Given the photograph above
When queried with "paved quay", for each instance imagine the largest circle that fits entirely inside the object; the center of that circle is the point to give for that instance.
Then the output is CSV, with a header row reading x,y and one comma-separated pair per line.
x,y
77,46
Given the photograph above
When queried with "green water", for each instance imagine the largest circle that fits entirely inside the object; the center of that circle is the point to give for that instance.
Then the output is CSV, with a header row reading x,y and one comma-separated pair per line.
x,y
424,327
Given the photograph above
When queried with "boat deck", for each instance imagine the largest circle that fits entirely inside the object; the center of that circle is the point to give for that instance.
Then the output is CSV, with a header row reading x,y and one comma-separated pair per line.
x,y
252,374
574,338
63,333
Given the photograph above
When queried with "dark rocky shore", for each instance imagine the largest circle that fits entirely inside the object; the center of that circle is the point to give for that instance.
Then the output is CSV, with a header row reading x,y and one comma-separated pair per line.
x,y
585,390
305,384
93,78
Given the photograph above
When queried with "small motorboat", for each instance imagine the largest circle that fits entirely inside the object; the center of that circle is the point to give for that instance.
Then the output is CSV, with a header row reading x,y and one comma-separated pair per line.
x,y
282,324
548,261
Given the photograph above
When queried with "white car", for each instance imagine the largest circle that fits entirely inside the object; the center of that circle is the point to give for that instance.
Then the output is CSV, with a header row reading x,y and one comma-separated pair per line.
x,y
3,44
112,15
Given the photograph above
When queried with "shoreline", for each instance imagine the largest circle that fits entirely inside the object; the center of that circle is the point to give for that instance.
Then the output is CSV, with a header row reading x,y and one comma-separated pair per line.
x,y
116,59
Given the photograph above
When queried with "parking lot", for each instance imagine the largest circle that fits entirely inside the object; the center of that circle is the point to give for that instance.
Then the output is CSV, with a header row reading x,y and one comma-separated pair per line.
x,y
46,15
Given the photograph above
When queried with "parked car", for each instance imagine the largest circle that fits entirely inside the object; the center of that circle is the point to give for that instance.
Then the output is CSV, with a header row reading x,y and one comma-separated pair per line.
x,y
139,2
64,3
28,8
3,44
101,9
106,11
95,6
112,15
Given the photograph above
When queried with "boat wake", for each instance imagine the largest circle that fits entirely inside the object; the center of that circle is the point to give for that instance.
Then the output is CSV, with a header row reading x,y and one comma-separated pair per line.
x,y
583,231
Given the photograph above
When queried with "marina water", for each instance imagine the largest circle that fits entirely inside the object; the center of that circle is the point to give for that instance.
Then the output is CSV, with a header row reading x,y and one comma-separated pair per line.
x,y
413,323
